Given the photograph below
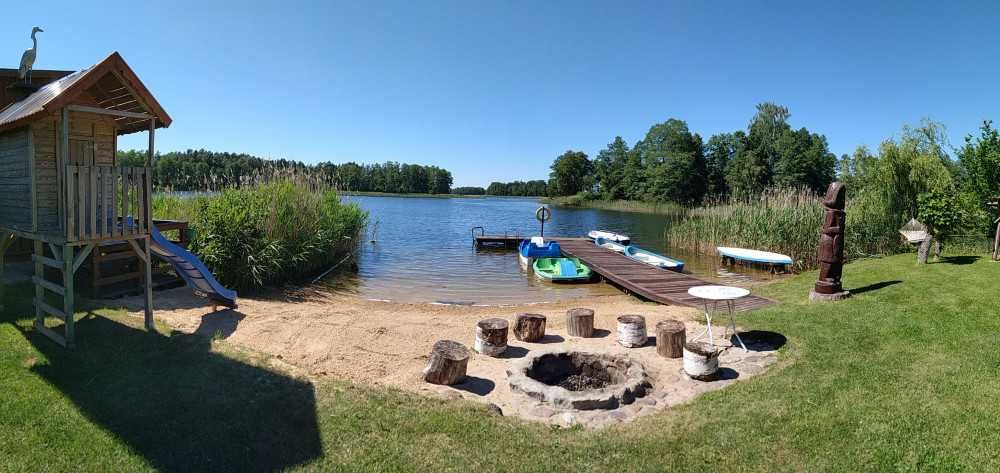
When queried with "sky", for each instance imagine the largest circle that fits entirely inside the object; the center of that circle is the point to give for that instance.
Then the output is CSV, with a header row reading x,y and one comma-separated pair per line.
x,y
496,90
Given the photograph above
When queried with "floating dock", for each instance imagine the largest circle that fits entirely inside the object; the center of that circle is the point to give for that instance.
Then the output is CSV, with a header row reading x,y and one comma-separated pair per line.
x,y
658,285
498,241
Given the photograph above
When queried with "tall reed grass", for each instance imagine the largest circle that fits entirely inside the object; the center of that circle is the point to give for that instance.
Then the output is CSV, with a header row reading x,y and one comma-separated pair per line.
x,y
784,221
267,234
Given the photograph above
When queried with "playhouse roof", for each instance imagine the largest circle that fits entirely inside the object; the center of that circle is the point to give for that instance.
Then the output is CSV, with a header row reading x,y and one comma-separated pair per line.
x,y
111,84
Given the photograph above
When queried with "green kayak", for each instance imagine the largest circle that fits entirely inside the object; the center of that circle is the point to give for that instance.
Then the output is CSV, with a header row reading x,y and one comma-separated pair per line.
x,y
561,269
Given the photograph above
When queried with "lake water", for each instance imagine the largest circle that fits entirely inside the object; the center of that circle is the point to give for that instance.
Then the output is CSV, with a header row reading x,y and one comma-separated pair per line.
x,y
422,250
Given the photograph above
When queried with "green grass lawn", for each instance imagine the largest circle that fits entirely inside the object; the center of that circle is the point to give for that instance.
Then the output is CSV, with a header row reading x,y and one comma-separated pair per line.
x,y
902,377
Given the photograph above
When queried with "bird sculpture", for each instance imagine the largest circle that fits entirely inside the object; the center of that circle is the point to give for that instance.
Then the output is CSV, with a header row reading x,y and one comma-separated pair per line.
x,y
28,58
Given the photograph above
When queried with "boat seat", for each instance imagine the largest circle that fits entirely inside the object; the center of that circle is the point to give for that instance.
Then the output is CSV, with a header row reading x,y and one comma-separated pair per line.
x,y
567,268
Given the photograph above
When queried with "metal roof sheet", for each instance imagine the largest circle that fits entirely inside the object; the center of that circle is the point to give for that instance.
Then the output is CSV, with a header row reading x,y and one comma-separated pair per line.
x,y
36,102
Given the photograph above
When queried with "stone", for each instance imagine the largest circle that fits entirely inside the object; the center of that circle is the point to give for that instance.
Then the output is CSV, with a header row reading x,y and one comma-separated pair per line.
x,y
645,401
495,410
820,297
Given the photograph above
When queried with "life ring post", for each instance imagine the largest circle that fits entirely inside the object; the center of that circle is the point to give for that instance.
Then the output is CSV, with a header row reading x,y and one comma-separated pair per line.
x,y
543,214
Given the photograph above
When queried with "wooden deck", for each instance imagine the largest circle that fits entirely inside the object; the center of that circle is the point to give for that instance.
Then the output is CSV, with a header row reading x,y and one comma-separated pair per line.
x,y
658,285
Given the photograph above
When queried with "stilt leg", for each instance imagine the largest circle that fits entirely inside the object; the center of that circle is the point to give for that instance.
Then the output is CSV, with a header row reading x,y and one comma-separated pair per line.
x,y
39,290
150,325
68,304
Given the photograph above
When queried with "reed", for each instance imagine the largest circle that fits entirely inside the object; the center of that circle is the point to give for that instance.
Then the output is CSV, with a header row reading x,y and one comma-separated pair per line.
x,y
267,234
785,221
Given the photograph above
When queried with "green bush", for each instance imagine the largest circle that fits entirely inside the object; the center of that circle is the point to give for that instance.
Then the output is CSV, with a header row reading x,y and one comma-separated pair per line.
x,y
267,235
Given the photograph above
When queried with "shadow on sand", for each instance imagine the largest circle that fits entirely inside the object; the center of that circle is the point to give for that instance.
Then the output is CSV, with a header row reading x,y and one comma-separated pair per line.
x,y
179,405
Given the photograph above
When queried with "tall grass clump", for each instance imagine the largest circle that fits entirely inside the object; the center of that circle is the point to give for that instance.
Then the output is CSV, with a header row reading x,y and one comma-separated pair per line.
x,y
785,221
267,234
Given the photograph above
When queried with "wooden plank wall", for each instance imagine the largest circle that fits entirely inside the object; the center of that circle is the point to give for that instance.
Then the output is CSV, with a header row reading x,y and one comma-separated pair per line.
x,y
84,127
15,180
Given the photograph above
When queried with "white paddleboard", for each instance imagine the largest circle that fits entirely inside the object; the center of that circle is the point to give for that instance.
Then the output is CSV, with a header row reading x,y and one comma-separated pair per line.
x,y
755,256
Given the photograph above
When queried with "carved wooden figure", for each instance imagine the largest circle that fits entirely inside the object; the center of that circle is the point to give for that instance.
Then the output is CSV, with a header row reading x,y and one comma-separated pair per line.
x,y
831,246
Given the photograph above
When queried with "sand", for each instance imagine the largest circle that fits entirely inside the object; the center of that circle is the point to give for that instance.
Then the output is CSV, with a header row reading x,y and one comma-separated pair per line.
x,y
385,343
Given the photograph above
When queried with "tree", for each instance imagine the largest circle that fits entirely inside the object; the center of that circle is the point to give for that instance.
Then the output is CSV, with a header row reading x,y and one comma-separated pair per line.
x,y
634,176
719,152
675,163
571,173
939,210
803,160
906,168
609,170
980,157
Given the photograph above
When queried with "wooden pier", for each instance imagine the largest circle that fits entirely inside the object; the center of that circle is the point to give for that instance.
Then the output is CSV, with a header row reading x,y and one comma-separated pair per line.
x,y
658,285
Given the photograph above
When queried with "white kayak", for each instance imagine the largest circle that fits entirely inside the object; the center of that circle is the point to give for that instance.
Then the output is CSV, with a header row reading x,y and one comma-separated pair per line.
x,y
754,256
611,245
610,236
653,259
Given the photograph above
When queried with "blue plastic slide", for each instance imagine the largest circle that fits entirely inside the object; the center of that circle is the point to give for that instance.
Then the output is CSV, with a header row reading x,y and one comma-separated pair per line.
x,y
189,267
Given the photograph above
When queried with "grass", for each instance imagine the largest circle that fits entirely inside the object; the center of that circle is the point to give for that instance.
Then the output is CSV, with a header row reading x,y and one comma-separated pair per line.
x,y
901,377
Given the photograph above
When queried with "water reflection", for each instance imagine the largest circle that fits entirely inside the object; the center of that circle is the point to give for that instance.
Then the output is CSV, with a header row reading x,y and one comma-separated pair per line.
x,y
421,251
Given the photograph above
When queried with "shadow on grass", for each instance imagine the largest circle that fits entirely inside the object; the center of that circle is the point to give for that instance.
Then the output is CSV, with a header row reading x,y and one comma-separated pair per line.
x,y
180,406
959,260
873,287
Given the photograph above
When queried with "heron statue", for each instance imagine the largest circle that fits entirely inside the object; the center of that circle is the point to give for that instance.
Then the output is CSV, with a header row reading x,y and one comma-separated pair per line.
x,y
28,58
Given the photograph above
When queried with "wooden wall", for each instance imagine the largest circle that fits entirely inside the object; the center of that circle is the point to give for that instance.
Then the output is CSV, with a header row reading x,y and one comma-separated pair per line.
x,y
92,141
15,180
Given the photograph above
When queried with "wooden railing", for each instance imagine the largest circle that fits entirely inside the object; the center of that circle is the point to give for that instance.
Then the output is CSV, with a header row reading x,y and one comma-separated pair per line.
x,y
106,203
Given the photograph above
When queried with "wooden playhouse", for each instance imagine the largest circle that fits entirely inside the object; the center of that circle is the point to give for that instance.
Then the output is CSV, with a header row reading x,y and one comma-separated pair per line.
x,y
60,183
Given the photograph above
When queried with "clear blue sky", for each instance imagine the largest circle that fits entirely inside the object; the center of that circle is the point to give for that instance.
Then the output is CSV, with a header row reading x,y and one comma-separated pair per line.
x,y
496,90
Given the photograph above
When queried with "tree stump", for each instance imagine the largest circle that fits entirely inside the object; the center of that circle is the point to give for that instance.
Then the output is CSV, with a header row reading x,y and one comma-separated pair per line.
x,y
580,322
448,362
632,331
670,338
701,360
529,327
491,336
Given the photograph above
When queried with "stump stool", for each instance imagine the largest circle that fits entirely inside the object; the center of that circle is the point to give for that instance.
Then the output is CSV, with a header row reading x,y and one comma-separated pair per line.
x,y
491,336
580,322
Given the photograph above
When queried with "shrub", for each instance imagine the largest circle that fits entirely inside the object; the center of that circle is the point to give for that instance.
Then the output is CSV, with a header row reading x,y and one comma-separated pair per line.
x,y
269,234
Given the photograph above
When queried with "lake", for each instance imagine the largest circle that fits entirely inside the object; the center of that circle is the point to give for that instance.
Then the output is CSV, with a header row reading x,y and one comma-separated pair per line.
x,y
420,250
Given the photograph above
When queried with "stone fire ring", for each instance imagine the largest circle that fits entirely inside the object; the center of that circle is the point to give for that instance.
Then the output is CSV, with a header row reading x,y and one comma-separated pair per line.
x,y
634,384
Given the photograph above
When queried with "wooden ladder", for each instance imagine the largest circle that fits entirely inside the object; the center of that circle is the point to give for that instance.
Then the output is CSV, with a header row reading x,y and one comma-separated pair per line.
x,y
66,263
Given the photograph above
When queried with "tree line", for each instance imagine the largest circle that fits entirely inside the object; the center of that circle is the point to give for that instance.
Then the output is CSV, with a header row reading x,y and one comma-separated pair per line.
x,y
202,170
536,188
672,164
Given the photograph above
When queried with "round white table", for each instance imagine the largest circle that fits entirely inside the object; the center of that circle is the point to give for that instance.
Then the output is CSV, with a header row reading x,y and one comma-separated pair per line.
x,y
713,295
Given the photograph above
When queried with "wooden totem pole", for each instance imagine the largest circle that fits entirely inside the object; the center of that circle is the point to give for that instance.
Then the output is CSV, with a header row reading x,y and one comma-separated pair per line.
x,y
831,247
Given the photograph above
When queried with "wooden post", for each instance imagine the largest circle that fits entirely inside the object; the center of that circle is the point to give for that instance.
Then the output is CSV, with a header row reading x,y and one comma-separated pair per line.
x,y
39,276
61,162
491,336
149,322
580,322
447,364
529,327
68,308
670,338
6,239
632,331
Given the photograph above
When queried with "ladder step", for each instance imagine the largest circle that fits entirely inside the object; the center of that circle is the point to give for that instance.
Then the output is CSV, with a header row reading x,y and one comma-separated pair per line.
x,y
50,333
49,285
50,310
47,262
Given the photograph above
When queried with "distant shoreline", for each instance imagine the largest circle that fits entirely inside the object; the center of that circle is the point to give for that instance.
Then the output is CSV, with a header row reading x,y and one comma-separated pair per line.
x,y
431,196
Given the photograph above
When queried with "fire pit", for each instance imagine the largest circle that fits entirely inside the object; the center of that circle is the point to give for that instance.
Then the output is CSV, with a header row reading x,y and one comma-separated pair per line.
x,y
579,380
